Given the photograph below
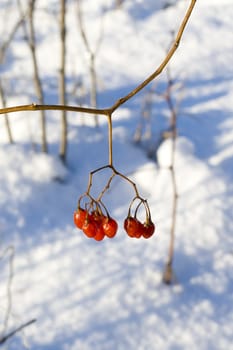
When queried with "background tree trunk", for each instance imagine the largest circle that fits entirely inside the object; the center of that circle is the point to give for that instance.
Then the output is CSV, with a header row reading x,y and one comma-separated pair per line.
x,y
7,122
38,85
62,87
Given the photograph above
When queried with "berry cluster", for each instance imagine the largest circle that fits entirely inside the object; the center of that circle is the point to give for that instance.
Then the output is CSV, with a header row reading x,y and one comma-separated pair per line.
x,y
94,223
135,228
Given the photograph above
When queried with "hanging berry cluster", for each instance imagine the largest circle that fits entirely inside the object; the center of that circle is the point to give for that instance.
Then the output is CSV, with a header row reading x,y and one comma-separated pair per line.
x,y
93,217
94,220
135,228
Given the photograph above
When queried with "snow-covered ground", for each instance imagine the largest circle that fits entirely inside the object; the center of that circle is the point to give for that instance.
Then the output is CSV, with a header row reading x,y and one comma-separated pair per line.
x,y
108,295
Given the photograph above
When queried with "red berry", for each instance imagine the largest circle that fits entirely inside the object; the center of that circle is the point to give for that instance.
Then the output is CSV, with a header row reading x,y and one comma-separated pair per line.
x,y
89,228
148,229
99,236
139,232
132,227
98,218
80,216
110,227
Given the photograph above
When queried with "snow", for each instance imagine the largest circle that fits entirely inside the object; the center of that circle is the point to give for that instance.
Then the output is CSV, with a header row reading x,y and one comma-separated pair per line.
x,y
109,295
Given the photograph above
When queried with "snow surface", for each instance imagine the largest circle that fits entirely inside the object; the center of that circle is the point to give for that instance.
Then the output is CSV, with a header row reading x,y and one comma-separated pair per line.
x,y
108,295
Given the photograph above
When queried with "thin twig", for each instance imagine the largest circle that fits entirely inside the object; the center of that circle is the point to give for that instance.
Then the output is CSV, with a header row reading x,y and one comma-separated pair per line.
x,y
16,330
168,275
115,172
7,122
161,67
6,44
92,58
11,252
37,107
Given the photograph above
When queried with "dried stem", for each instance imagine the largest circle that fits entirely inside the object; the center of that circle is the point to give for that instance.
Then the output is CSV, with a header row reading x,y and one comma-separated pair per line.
x,y
168,275
118,103
92,59
7,122
7,42
38,107
163,64
10,251
115,172
16,330
3,48
110,139
31,39
62,86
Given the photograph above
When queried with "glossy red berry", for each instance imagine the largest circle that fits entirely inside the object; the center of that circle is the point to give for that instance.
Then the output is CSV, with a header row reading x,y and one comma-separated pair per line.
x,y
110,227
139,231
148,229
89,228
98,218
99,236
80,216
132,227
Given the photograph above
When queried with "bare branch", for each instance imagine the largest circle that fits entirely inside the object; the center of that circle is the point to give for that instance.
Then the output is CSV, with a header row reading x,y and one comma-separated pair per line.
x,y
168,275
6,44
37,107
7,122
38,85
11,251
122,100
164,62
16,330
92,57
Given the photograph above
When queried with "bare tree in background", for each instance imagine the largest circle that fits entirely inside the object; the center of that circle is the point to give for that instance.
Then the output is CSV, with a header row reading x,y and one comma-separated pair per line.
x,y
7,122
31,39
92,59
144,126
62,85
118,3
3,48
38,85
173,107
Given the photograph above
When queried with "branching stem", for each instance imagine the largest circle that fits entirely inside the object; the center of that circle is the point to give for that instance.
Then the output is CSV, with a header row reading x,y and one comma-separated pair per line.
x,y
114,173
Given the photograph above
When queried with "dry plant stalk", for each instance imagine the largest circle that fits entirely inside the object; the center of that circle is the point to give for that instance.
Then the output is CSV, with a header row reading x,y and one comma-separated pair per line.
x,y
121,101
168,274
92,59
37,81
118,3
3,49
7,122
145,118
62,85
31,40
15,331
10,252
